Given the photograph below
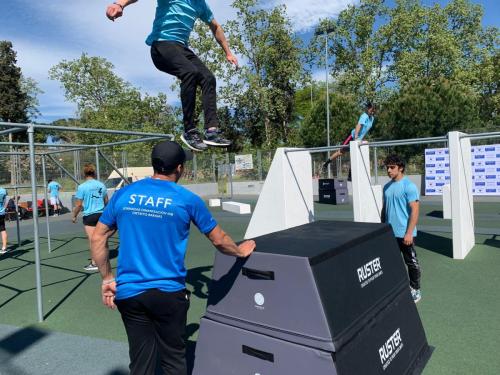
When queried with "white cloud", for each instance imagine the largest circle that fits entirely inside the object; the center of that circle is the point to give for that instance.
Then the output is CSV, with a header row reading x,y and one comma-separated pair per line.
x,y
305,14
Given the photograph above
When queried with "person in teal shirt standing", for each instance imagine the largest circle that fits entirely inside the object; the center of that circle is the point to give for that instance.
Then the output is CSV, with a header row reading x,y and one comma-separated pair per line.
x,y
169,38
400,210
54,188
92,197
3,200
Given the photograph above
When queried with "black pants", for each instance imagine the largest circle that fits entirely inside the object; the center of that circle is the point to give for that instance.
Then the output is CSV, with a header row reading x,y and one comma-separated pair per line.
x,y
410,258
176,59
155,322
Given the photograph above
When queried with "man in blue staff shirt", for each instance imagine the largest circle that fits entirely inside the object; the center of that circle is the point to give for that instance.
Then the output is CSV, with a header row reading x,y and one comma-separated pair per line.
x,y
153,218
401,208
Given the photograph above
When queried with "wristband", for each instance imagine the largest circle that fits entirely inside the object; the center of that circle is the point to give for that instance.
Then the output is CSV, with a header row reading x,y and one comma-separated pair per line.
x,y
121,6
107,282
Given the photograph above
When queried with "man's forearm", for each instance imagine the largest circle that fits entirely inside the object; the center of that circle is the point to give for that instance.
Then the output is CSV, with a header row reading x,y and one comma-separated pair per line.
x,y
356,131
221,39
100,255
76,211
412,223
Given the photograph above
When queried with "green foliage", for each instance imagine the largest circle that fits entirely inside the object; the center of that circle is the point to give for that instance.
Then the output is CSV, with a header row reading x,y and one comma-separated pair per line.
x,y
344,113
106,101
14,102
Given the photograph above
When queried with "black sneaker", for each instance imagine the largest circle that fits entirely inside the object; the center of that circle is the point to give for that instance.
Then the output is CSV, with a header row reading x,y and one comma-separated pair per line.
x,y
214,138
193,140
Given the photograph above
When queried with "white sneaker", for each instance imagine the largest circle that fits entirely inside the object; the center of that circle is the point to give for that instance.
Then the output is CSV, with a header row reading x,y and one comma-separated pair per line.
x,y
3,251
416,295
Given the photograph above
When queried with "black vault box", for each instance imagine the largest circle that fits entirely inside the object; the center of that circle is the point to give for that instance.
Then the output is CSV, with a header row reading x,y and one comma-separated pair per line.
x,y
393,343
316,284
334,196
332,183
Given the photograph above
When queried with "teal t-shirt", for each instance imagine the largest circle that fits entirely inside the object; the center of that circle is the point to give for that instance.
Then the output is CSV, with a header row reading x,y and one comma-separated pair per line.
x,y
366,124
3,197
54,188
92,193
397,198
175,19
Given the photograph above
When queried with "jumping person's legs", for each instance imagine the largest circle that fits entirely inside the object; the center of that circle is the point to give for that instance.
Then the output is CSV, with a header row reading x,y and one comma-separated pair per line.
x,y
339,152
175,59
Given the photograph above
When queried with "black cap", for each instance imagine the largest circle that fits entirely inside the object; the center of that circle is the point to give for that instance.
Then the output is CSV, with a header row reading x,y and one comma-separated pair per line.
x,y
167,155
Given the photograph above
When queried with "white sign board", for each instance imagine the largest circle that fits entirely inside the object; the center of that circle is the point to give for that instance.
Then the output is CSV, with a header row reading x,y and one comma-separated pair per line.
x,y
485,170
243,162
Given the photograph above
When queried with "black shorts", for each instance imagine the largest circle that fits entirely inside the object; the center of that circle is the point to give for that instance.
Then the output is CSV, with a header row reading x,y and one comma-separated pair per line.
x,y
2,223
91,220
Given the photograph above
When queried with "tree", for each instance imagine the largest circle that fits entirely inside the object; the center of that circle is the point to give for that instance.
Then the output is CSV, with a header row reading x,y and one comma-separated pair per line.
x,y
13,100
264,88
106,101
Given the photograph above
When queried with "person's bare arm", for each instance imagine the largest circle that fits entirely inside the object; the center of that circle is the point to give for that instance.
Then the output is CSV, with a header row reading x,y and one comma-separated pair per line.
x,y
226,245
77,209
221,39
357,130
106,199
115,10
100,253
412,222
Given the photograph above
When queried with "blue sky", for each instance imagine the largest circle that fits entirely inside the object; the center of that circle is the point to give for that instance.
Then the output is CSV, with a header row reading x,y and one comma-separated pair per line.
x,y
45,32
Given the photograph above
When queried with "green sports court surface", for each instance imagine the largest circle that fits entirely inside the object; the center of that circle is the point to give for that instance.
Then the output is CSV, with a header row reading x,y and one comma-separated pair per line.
x,y
460,307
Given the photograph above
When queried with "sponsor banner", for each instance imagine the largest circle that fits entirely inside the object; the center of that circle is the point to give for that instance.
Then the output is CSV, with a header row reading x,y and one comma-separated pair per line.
x,y
485,170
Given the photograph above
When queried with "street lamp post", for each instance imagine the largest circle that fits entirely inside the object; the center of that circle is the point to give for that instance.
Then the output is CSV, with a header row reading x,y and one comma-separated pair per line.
x,y
325,32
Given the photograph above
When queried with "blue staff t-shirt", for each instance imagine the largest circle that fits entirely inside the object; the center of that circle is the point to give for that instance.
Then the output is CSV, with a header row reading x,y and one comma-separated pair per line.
x,y
175,19
153,218
397,198
92,193
3,196
54,188
366,124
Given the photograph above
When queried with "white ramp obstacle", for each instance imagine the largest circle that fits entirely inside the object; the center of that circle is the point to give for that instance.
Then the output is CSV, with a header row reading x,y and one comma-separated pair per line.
x,y
236,207
286,199
462,204
366,198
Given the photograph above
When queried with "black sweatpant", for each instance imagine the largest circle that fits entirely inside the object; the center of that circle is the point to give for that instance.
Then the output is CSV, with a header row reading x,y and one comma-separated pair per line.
x,y
410,258
155,323
176,59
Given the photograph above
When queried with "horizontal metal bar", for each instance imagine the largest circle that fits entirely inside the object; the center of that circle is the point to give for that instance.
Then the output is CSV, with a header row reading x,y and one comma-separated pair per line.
x,y
14,153
14,125
410,141
12,130
23,186
397,142
55,145
87,130
481,135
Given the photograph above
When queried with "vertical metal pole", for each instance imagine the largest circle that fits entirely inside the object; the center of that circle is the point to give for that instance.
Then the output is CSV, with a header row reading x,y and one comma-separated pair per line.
x,y
34,205
213,168
16,191
375,164
259,164
46,203
98,172
195,166
327,101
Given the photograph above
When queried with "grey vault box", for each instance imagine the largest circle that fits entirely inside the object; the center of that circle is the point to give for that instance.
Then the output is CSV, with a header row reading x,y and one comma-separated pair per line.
x,y
323,298
316,284
393,344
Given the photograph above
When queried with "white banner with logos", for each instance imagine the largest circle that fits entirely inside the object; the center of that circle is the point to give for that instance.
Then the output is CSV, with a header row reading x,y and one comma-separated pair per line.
x,y
485,170
243,162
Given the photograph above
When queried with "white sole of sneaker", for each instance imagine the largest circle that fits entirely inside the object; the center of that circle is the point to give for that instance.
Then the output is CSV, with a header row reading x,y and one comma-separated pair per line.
x,y
210,143
191,147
